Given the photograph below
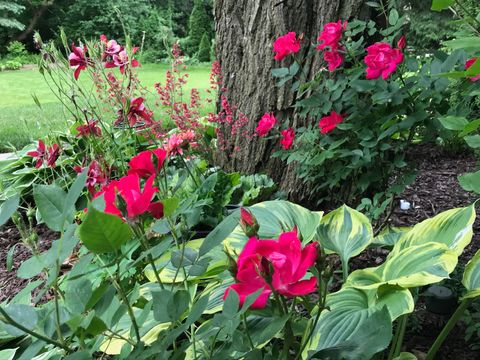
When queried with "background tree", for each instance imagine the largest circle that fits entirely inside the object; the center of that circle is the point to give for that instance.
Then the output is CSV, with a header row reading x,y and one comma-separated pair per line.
x,y
245,31
204,49
9,11
199,24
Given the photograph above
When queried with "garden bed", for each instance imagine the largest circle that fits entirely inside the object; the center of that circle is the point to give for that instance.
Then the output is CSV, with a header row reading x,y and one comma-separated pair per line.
x,y
436,189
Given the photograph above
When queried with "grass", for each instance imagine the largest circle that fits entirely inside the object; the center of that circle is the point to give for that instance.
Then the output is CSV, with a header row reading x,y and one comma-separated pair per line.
x,y
22,121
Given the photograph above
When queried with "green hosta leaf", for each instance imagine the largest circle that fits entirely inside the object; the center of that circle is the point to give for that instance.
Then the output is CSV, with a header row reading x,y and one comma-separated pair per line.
x,y
473,141
452,228
471,277
374,336
390,236
103,233
453,122
8,354
50,201
346,232
351,313
438,5
413,266
8,208
470,181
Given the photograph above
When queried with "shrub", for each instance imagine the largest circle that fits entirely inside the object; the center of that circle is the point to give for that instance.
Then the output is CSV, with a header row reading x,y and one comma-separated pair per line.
x,y
360,115
204,49
199,24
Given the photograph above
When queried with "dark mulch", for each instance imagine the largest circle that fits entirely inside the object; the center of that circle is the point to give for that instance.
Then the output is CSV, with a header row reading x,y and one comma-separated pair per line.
x,y
10,284
435,189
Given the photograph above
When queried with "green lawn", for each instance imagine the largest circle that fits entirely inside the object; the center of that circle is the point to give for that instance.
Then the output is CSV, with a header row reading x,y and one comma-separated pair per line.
x,y
22,121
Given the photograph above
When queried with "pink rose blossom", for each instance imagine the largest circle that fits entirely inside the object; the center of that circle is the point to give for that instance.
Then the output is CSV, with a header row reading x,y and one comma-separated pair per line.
x,y
266,123
330,122
285,45
331,35
468,64
382,60
288,136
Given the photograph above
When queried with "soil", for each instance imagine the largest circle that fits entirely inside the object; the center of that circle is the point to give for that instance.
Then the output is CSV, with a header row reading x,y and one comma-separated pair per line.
x,y
435,190
10,284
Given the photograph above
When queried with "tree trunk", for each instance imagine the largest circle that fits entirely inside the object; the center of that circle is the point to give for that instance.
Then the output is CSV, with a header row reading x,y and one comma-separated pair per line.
x,y
245,31
37,15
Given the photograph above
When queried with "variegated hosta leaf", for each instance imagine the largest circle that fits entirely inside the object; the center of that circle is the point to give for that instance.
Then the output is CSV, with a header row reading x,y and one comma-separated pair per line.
x,y
411,267
390,236
346,232
275,217
348,314
452,228
471,277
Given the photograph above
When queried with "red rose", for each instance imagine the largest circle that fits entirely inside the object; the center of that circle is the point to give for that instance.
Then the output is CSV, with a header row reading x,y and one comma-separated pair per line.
x,y
330,122
333,58
382,60
285,45
266,123
287,138
331,35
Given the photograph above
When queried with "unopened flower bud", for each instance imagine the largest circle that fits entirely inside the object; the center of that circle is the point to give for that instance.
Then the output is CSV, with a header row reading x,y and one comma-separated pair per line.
x,y
248,222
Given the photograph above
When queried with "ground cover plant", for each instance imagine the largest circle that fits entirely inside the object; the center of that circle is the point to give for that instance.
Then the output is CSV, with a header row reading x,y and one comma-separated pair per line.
x,y
161,254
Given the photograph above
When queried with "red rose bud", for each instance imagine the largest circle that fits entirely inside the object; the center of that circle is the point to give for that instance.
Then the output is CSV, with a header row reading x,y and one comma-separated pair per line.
x,y
402,42
248,222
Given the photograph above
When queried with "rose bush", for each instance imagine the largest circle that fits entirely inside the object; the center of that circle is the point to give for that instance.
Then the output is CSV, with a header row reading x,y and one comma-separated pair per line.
x,y
371,102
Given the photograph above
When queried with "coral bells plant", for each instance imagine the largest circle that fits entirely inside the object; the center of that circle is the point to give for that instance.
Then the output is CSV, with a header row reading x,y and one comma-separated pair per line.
x,y
361,109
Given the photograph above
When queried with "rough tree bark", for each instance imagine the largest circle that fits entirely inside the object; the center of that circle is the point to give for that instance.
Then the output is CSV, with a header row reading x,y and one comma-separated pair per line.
x,y
245,31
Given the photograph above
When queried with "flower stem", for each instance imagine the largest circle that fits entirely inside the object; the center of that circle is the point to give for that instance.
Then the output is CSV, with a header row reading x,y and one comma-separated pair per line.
x,y
446,330
48,340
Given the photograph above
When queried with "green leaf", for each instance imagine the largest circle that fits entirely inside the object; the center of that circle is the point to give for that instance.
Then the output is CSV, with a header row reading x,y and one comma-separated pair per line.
x,y
9,261
75,191
390,236
473,141
347,318
470,127
474,69
280,72
346,232
8,208
178,304
231,305
466,43
103,233
168,273
50,201
372,337
77,295
393,17
470,181
170,205
264,329
8,354
438,5
275,217
22,314
452,228
453,122
405,356
471,277
197,310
